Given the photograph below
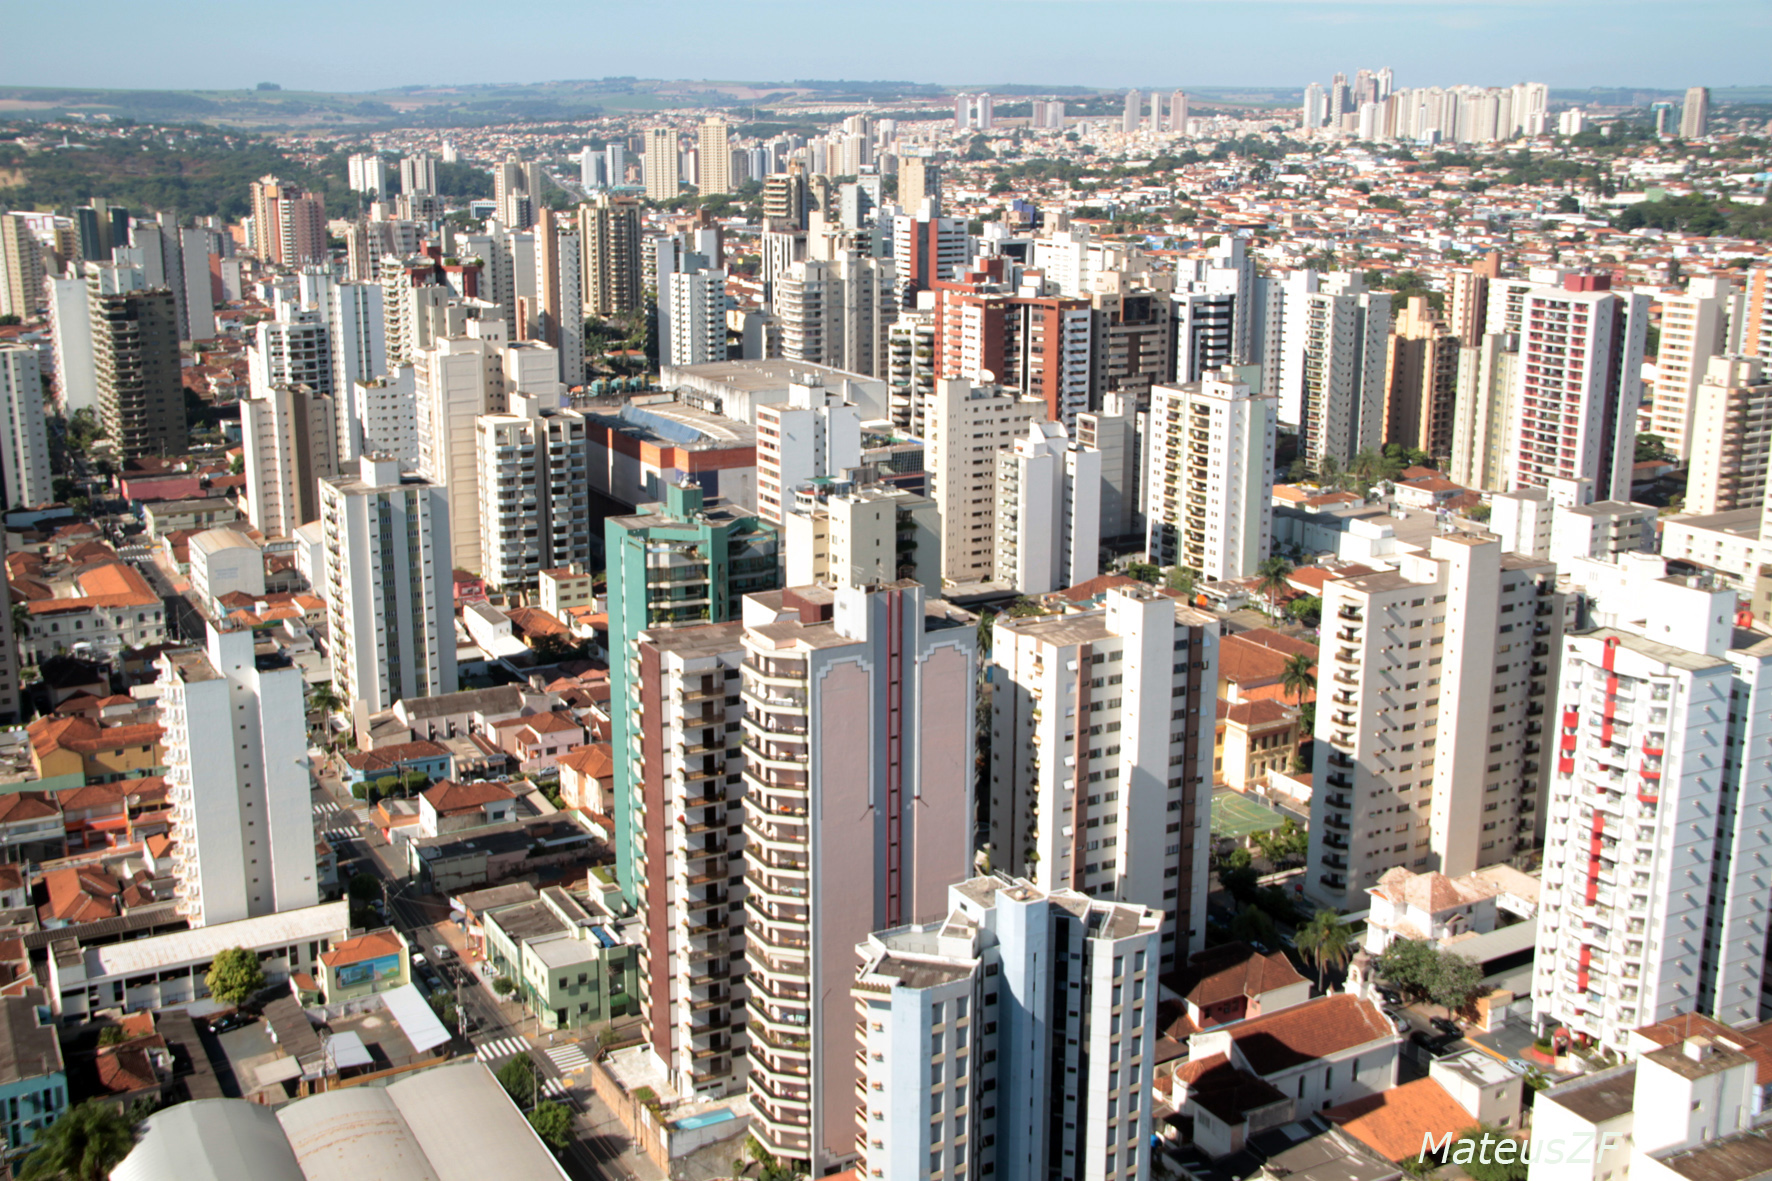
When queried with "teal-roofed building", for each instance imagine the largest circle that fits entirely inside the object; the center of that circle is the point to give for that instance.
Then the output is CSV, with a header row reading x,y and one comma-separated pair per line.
x,y
680,562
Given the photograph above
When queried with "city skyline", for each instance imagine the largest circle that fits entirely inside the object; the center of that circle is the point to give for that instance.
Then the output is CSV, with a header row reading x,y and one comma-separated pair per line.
x,y
1427,43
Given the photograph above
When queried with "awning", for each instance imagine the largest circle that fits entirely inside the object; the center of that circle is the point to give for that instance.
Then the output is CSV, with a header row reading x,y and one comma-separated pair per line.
x,y
347,1049
418,1021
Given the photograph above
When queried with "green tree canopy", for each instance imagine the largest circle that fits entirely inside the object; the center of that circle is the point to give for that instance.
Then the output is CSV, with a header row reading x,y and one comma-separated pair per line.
x,y
553,1123
520,1078
85,1144
1489,1154
234,976
1325,941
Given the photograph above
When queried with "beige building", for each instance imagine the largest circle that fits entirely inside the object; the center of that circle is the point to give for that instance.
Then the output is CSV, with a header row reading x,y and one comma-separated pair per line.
x,y
1101,744
968,425
1421,380
1731,436
1432,691
1252,739
1692,326
714,156
662,167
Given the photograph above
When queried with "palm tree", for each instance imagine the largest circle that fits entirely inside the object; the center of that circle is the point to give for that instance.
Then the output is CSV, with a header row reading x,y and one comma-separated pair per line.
x,y
1325,941
1298,677
1271,580
324,699
1329,471
85,1144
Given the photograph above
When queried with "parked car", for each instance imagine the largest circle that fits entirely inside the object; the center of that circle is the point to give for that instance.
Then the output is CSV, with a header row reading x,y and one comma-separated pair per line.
x,y
234,1020
1397,1019
1434,1044
1391,996
440,952
1448,1027
1519,1066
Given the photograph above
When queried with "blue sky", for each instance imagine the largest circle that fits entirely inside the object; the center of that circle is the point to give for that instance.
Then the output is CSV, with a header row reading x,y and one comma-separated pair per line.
x,y
1109,43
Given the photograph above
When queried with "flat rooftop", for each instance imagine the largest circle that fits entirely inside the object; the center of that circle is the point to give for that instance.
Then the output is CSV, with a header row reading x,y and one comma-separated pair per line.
x,y
1598,1097
202,944
1741,522
673,424
764,374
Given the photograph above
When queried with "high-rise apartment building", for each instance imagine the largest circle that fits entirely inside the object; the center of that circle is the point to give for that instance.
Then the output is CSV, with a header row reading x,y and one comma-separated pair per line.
x,y
1332,365
714,151
813,435
927,247
24,441
1577,385
418,173
456,381
1732,437
836,311
559,294
843,533
21,268
288,223
1100,776
388,586
697,325
70,330
1209,476
663,181
968,426
1430,746
367,172
1316,107
911,368
290,436
1039,345
1692,332
1421,381
1756,315
1114,431
1654,900
1133,114
357,332
235,735
141,397
919,178
517,189
1131,343
609,229
1695,113
999,1019
1467,304
535,511
384,414
1048,511
670,564
858,736
685,766
1482,409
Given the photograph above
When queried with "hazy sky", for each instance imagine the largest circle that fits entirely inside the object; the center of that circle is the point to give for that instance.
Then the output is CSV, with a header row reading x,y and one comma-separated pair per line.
x,y
333,45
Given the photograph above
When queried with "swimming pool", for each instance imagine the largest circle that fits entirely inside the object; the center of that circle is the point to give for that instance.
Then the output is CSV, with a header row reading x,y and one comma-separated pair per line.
x,y
690,1123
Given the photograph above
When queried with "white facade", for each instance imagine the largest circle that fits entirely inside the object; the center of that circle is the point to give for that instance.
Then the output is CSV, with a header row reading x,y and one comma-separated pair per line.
x,y
534,510
1482,408
814,434
241,816
697,317
359,353
1101,755
1654,901
455,382
1332,364
1048,512
24,439
836,311
1209,478
1732,436
863,536
1432,694
968,425
973,1057
386,414
388,586
70,327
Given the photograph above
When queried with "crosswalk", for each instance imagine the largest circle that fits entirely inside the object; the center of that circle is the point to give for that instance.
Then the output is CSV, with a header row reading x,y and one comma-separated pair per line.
x,y
335,821
498,1051
553,1088
567,1059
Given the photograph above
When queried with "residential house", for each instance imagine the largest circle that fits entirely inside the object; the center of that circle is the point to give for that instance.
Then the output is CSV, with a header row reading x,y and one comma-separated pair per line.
x,y
74,751
376,961
452,807
33,1079
1252,740
1430,905
30,827
402,758
587,778
1234,982
1460,1092
538,741
572,962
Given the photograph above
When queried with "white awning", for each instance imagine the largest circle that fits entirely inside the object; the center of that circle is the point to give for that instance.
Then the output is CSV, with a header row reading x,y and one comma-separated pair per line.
x,y
347,1049
418,1021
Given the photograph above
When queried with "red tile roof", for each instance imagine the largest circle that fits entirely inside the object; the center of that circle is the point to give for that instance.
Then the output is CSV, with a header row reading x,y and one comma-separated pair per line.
x,y
595,760
1304,1033
450,796
1392,1123
372,946
1231,970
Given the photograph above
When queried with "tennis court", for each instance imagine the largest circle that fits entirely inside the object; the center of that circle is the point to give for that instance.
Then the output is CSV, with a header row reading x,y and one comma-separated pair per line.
x,y
1236,815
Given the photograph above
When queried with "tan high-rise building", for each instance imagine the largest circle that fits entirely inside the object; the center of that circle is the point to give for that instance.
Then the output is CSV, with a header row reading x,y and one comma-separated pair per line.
x,y
609,227
1731,436
288,224
1435,681
1692,328
918,177
21,269
1756,330
1467,305
1695,114
1421,381
714,149
662,167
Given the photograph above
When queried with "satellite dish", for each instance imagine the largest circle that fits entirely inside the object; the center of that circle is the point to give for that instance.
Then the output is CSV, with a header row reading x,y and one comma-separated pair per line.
x,y
987,377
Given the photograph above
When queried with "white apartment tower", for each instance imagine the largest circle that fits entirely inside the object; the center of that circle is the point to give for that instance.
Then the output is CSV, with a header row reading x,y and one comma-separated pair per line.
x,y
1101,755
858,767
1430,715
836,311
1048,511
70,329
697,317
385,412
237,776
24,440
1654,895
388,586
1209,476
1015,1037
1732,438
455,382
839,534
1332,364
968,425
714,153
1577,385
661,165
534,483
813,435
358,336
